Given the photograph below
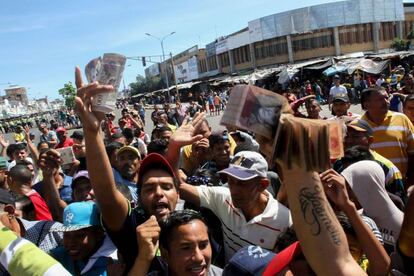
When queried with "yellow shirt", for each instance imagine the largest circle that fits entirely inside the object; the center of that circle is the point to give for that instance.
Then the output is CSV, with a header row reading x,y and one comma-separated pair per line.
x,y
393,138
19,137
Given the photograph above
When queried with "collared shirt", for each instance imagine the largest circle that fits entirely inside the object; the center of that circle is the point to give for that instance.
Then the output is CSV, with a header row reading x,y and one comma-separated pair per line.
x,y
262,230
393,138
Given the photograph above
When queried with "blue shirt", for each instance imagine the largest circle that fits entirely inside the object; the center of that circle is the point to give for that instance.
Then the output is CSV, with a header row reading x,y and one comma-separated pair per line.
x,y
132,186
98,268
65,191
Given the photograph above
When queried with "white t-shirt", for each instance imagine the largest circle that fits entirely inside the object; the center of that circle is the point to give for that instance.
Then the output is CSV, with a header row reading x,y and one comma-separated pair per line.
x,y
367,180
338,90
262,230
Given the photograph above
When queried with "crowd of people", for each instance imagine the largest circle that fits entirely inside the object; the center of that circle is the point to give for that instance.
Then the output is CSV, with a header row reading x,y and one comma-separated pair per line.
x,y
187,199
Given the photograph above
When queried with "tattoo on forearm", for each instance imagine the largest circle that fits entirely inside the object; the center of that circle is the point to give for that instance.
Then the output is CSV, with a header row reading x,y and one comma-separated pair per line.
x,y
315,214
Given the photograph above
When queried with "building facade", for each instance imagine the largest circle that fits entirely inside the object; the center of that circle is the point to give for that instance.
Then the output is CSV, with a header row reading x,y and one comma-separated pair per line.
x,y
330,29
16,96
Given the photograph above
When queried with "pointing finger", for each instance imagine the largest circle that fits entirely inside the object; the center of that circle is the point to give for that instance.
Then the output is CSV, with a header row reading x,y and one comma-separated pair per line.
x,y
78,77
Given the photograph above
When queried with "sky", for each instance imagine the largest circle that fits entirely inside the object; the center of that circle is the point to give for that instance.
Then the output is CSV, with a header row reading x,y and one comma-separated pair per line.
x,y
42,41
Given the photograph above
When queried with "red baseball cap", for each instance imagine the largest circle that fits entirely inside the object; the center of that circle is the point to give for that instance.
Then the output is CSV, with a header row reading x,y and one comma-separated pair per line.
x,y
282,259
151,161
60,129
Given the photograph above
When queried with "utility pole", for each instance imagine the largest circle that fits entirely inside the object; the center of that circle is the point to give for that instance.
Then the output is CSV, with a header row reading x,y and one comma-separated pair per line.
x,y
175,79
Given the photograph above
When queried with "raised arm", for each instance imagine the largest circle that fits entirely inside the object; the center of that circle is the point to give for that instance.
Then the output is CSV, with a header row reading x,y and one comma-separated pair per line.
x,y
30,145
4,144
316,226
335,189
49,164
113,205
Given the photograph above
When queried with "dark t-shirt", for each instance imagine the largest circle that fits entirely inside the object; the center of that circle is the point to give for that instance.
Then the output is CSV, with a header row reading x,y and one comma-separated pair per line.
x,y
126,240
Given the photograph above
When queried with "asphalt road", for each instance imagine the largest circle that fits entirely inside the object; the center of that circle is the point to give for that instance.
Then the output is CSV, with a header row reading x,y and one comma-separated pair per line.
x,y
214,121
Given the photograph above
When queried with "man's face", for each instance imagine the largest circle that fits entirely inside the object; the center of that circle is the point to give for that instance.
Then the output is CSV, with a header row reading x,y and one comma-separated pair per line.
x,y
82,190
378,103
243,193
221,153
204,130
79,148
354,138
337,82
409,110
44,130
189,250
340,108
81,244
313,109
61,135
158,194
166,135
162,119
125,114
128,164
20,154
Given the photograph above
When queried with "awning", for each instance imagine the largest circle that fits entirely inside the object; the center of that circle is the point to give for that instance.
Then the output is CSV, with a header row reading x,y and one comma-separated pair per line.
x,y
361,64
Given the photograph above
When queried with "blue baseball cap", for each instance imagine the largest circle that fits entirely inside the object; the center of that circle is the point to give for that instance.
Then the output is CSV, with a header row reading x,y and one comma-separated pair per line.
x,y
249,260
79,215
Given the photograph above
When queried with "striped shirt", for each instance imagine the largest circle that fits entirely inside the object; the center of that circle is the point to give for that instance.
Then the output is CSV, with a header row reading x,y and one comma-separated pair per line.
x,y
393,138
262,230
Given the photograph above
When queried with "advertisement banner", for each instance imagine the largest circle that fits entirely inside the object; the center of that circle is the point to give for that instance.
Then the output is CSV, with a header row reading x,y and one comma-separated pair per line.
x,y
187,70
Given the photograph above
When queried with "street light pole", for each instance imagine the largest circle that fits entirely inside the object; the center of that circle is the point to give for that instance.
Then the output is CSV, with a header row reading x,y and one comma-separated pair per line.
x,y
161,40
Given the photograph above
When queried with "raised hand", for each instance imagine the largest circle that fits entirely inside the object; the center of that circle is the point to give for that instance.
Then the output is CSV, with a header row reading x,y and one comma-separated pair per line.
x,y
148,235
26,130
91,120
49,162
335,188
3,142
184,135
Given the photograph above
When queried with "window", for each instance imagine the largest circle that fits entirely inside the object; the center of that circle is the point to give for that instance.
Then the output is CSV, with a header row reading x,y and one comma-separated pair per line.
x,y
212,63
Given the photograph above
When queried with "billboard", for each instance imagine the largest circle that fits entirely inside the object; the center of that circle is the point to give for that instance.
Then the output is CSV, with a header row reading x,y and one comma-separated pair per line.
x,y
187,70
328,15
153,70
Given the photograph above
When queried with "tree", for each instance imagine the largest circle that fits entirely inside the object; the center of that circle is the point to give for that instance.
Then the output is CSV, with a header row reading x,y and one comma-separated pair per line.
x,y
144,85
68,92
400,44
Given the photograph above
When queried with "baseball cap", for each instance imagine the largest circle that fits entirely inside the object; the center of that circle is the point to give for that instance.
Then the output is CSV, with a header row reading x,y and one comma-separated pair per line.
x,y
249,260
341,97
60,129
77,134
336,77
154,160
79,215
78,175
117,134
283,259
129,148
362,126
217,137
3,163
247,165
